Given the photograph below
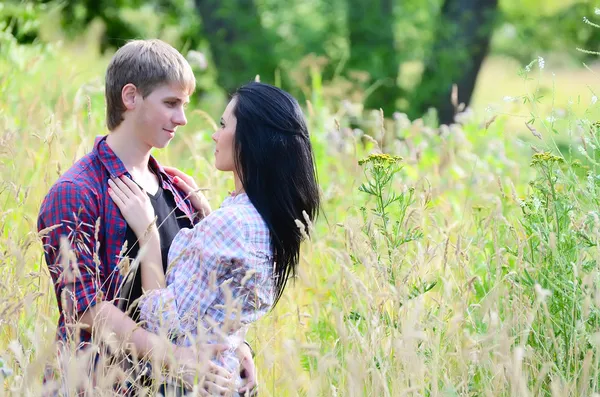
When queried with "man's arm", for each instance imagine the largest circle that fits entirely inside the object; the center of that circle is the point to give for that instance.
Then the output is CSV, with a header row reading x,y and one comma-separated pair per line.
x,y
69,215
67,222
106,319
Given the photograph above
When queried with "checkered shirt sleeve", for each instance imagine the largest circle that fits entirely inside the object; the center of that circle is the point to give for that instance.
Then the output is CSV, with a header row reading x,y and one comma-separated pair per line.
x,y
220,275
69,212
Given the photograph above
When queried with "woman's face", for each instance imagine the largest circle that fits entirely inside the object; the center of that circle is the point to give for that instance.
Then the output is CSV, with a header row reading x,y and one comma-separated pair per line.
x,y
223,137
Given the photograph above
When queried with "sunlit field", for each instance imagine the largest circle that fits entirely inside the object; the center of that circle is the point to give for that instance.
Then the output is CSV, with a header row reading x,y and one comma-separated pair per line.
x,y
467,265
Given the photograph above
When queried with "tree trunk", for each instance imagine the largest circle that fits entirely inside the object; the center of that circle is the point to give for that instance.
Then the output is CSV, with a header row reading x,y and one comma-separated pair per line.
x,y
372,50
240,47
462,42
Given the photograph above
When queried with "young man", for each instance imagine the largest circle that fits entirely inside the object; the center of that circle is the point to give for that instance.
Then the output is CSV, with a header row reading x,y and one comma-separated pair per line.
x,y
148,84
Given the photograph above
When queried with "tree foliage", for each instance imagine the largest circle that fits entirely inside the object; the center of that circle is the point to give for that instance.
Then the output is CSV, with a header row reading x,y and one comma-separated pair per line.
x,y
365,42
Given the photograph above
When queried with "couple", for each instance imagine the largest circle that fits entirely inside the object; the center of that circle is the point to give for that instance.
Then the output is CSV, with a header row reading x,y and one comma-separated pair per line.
x,y
203,275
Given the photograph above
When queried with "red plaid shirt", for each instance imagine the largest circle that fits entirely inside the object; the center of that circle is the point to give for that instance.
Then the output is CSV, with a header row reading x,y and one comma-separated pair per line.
x,y
79,208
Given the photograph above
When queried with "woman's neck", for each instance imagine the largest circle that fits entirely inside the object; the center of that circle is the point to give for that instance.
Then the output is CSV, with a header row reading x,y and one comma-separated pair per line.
x,y
239,188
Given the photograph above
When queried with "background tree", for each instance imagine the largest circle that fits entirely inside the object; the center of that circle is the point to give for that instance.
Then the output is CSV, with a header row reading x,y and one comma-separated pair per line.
x,y
371,43
373,51
462,42
240,47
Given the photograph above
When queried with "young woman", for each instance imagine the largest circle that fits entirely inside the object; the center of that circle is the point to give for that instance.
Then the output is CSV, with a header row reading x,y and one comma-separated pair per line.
x,y
232,267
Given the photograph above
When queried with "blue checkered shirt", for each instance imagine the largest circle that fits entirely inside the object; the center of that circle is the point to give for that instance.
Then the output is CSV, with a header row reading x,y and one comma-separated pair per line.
x,y
220,279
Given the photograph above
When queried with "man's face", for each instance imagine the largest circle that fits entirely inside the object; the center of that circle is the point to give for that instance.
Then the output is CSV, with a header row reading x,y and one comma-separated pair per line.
x,y
159,114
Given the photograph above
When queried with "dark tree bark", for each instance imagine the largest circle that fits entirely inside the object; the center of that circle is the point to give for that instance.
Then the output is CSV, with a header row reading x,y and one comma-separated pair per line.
x,y
372,50
240,47
462,42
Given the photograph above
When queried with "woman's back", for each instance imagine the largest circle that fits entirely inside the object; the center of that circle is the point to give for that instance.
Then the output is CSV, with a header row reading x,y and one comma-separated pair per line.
x,y
220,278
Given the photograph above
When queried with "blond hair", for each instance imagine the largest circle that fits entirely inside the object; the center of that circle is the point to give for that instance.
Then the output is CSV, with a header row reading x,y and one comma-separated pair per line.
x,y
146,64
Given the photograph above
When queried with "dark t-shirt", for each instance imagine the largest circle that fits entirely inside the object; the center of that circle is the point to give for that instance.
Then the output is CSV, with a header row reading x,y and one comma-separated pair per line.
x,y
170,219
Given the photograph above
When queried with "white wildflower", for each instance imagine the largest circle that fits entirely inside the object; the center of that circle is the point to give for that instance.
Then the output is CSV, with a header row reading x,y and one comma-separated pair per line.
x,y
551,119
582,123
541,293
197,58
464,117
590,183
594,99
528,68
402,120
589,143
508,99
444,131
541,63
537,203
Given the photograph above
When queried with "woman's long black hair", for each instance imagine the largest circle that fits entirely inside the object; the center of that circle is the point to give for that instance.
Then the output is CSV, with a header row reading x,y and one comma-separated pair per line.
x,y
275,163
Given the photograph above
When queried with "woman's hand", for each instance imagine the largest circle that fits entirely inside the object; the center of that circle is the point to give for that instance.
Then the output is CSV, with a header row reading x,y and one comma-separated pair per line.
x,y
250,384
134,204
187,185
212,379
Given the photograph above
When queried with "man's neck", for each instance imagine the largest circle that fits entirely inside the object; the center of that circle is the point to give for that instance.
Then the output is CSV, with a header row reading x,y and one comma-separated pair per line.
x,y
134,154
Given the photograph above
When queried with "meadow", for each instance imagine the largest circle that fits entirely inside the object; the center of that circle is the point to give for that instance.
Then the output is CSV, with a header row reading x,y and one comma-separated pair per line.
x,y
463,262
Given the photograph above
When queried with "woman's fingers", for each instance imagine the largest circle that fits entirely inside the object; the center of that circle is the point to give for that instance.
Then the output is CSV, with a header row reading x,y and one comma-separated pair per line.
x,y
118,192
115,197
132,186
218,371
123,187
172,170
215,380
218,385
182,185
176,172
217,348
183,177
249,380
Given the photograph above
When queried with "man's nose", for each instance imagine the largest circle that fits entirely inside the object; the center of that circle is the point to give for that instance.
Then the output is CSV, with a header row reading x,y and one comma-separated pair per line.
x,y
179,117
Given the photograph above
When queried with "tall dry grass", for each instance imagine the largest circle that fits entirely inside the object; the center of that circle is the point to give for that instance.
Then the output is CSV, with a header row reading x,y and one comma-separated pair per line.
x,y
471,270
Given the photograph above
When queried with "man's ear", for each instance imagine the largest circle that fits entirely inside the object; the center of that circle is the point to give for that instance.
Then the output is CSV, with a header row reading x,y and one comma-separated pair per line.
x,y
129,96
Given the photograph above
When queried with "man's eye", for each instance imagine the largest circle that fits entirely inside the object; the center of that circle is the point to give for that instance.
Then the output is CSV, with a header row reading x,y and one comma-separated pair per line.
x,y
171,103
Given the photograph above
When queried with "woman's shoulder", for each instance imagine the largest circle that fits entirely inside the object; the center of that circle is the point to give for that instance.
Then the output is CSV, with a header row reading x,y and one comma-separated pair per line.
x,y
237,212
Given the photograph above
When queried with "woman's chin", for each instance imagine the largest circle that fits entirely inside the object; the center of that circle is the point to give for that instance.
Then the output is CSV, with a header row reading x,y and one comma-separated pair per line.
x,y
220,167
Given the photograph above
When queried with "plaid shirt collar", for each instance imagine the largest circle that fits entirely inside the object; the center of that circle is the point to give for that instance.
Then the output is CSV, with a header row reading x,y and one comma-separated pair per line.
x,y
116,169
115,166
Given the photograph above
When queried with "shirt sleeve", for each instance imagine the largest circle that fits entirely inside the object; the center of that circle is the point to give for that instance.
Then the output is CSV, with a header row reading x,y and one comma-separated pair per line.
x,y
67,223
218,265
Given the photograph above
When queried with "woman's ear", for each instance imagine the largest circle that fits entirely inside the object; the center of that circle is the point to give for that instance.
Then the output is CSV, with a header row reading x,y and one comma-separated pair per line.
x,y
129,96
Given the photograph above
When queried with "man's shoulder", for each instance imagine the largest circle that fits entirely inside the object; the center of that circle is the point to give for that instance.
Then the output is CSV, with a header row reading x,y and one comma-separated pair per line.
x,y
85,174
80,184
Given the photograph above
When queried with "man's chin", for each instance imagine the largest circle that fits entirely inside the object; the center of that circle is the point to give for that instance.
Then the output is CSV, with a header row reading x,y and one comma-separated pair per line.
x,y
162,145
